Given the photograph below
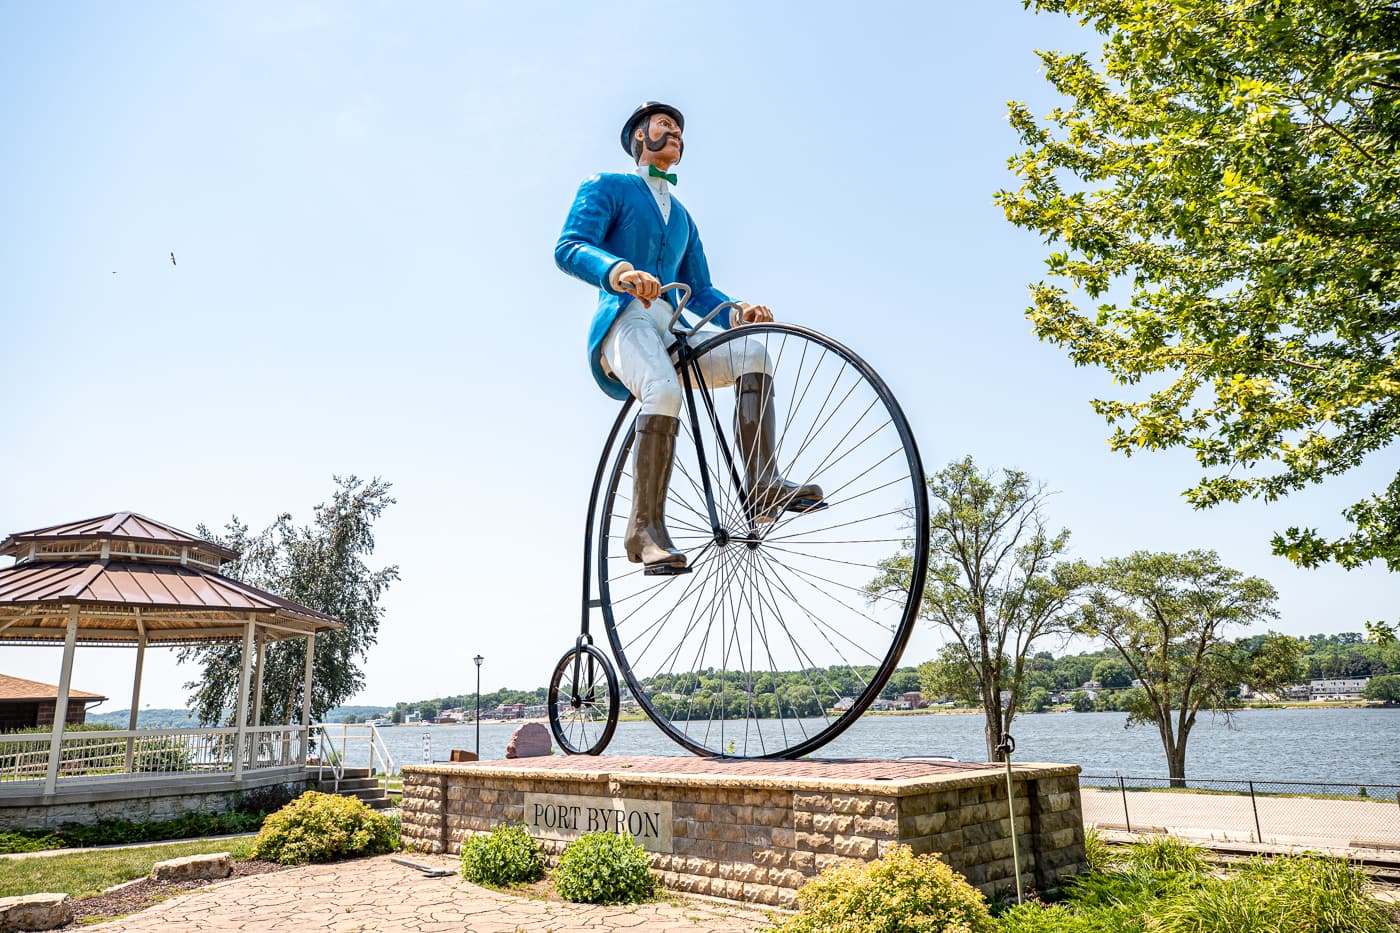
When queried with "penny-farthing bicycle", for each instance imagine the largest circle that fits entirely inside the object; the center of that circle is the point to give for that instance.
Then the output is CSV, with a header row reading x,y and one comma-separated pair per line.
x,y
776,641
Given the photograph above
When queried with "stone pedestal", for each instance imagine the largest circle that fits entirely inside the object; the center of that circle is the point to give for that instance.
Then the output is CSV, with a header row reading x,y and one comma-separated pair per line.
x,y
758,830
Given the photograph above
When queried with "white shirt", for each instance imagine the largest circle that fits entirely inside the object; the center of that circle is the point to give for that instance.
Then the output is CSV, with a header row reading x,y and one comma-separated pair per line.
x,y
660,190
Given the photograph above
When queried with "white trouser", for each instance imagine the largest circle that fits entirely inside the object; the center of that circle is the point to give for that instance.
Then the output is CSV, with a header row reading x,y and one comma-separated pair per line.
x,y
634,351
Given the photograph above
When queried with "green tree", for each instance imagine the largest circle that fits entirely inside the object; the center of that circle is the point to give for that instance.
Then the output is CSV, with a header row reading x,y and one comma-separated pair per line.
x,y
321,566
902,681
1222,196
1385,688
1081,702
997,581
1113,675
1036,701
1166,615
949,675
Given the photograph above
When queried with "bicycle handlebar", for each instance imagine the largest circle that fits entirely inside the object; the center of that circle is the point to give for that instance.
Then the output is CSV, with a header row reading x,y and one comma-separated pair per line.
x,y
680,306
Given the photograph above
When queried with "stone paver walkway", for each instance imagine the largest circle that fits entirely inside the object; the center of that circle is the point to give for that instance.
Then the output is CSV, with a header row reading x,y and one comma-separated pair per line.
x,y
376,895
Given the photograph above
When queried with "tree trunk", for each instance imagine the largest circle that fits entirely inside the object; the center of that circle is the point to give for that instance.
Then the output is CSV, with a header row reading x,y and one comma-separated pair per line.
x,y
1175,748
1176,760
991,725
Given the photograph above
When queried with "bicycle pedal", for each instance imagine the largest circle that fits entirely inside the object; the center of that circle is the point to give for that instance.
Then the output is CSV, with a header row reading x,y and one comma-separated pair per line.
x,y
664,570
806,505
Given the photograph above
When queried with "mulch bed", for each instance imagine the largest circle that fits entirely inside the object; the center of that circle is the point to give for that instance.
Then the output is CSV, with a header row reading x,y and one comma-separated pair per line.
x,y
144,893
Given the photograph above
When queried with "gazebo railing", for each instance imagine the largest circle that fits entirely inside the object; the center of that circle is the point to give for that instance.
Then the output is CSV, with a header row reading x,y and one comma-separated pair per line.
x,y
119,753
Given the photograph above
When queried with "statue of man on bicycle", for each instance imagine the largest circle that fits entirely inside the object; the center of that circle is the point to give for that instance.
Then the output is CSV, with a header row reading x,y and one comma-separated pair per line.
x,y
626,235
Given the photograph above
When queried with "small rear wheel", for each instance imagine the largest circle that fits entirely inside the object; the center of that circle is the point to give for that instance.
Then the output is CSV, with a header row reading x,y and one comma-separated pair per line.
x,y
583,701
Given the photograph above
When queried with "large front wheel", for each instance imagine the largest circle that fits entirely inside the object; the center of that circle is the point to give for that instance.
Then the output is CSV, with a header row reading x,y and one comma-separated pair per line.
x,y
786,630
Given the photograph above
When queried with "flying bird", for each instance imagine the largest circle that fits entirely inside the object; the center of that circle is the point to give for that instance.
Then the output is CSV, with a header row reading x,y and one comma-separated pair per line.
x,y
172,259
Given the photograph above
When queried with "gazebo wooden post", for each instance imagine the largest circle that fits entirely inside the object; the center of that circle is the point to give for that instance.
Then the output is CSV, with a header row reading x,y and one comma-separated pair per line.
x,y
256,723
306,698
60,709
239,751
135,692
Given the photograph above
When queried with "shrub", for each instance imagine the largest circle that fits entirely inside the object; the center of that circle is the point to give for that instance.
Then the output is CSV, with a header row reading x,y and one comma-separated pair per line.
x,y
604,868
898,893
117,832
509,855
1288,893
1283,895
1097,853
319,827
1165,854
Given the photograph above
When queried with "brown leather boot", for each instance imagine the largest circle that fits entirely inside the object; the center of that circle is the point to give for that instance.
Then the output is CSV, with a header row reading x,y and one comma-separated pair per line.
x,y
648,542
754,427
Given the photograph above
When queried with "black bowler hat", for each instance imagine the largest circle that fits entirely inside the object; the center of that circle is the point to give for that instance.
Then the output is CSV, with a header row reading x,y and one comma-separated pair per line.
x,y
642,113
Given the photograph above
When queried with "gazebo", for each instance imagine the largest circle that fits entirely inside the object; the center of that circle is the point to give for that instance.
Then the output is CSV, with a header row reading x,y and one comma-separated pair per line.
x,y
127,580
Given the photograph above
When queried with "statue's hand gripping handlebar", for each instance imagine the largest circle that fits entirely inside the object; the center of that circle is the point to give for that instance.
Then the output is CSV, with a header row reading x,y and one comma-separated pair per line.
x,y
684,296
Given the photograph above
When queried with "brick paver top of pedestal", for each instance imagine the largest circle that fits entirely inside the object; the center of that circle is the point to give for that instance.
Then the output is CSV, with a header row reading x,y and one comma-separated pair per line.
x,y
862,775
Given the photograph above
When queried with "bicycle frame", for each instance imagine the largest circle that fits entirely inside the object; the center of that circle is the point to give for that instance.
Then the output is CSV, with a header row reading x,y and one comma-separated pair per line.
x,y
685,365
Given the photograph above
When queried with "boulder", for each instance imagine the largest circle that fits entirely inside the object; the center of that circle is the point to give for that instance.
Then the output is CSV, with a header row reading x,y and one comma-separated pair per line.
x,y
530,741
193,868
35,912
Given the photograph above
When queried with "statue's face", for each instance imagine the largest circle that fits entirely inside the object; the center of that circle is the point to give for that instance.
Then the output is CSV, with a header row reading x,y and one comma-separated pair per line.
x,y
661,141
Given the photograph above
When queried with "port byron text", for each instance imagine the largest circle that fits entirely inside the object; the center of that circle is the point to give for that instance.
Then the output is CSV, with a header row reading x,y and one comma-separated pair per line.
x,y
567,816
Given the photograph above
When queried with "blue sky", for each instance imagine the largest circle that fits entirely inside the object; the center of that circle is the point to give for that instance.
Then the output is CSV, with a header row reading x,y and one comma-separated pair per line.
x,y
363,199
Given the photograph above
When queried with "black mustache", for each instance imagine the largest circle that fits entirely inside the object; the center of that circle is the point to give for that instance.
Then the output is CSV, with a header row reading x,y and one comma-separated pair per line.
x,y
656,145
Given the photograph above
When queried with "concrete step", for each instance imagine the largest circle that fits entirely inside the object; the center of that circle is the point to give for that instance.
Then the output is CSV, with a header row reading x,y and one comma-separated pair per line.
x,y
365,793
350,784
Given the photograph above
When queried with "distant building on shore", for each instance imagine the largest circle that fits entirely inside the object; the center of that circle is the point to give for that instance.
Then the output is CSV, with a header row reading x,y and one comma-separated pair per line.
x,y
1338,688
29,704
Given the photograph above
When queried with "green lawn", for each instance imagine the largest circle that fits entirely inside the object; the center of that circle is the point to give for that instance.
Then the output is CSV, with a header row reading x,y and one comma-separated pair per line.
x,y
85,873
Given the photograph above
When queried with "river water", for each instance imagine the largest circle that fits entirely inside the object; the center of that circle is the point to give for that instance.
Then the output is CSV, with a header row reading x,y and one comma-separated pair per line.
x,y
1336,745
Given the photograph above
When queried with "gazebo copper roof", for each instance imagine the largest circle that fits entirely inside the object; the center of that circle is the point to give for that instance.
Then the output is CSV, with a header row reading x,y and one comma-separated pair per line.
x,y
127,577
124,534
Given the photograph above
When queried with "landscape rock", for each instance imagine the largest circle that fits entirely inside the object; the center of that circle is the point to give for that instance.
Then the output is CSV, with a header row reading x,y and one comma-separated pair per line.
x,y
35,912
530,741
193,868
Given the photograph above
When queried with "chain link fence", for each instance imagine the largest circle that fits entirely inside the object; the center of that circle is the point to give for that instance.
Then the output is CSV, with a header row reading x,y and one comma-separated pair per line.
x,y
1290,814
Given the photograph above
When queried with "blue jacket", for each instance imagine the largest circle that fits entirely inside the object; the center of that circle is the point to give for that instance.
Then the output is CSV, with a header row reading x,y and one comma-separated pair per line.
x,y
615,218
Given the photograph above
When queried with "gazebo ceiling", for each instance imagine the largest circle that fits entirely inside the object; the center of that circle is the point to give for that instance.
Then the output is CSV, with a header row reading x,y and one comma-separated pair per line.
x,y
127,577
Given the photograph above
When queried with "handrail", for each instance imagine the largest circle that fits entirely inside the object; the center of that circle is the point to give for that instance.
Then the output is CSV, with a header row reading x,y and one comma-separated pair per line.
x,y
377,741
327,750
348,736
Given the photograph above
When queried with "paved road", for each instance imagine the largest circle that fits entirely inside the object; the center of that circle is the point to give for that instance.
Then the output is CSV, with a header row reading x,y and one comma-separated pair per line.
x,y
1284,821
376,895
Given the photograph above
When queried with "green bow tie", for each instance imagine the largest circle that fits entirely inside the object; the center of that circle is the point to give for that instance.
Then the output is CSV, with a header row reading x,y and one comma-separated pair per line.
x,y
655,172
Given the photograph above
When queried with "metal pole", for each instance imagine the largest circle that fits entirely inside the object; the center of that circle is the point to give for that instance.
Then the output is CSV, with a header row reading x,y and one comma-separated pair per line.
x,y
1007,746
478,659
1126,822
1258,833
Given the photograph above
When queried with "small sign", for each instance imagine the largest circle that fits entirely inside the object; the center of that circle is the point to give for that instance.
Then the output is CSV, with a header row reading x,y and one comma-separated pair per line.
x,y
427,748
568,816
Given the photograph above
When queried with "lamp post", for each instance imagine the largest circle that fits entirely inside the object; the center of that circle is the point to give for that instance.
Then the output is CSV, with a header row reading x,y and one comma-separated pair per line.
x,y
478,659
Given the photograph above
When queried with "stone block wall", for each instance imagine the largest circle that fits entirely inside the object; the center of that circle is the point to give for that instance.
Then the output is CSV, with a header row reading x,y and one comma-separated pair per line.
x,y
759,840
139,802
